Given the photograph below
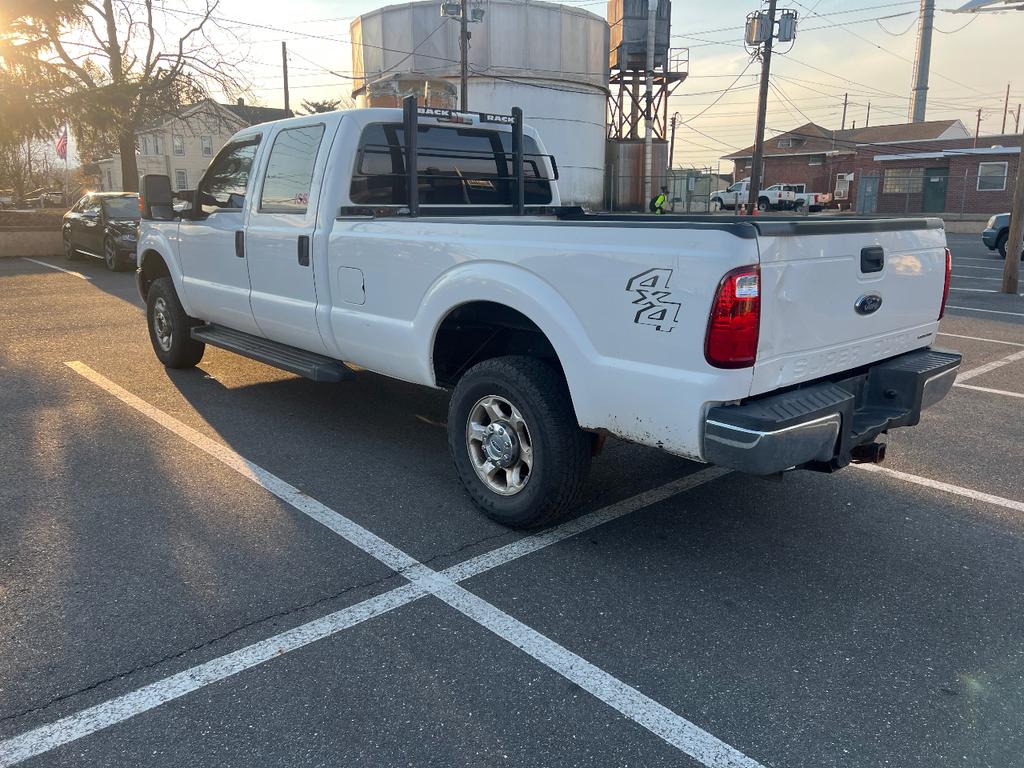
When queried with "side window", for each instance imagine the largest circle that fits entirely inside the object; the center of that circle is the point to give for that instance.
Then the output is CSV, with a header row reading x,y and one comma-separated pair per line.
x,y
178,144
207,145
180,179
456,166
223,185
289,175
91,206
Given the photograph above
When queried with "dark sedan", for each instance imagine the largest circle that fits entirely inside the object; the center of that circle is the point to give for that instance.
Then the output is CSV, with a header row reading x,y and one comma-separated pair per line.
x,y
996,233
103,225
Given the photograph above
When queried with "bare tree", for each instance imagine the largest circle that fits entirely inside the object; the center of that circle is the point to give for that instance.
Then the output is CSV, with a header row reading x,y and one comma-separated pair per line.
x,y
113,66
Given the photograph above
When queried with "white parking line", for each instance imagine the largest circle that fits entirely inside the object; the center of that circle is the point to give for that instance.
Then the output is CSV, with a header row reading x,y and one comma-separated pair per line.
x,y
975,277
947,487
673,728
974,372
54,266
989,390
979,338
974,266
981,290
986,311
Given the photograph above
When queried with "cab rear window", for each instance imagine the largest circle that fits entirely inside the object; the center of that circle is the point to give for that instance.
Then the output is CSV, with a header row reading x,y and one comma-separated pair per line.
x,y
455,166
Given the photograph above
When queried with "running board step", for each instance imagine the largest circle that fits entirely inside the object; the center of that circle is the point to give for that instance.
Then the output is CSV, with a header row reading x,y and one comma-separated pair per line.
x,y
308,364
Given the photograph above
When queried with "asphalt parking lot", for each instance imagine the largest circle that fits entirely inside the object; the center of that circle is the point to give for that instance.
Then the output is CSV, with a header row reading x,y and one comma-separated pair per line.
x,y
233,566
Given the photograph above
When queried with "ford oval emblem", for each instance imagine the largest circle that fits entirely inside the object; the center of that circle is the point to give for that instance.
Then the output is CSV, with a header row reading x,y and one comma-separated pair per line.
x,y
868,303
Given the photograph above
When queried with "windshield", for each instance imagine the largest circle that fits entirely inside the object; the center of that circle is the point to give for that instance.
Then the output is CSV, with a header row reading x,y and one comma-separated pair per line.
x,y
738,187
122,207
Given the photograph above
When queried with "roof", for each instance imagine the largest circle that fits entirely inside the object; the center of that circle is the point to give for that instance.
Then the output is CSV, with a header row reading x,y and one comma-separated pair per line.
x,y
253,115
810,138
245,113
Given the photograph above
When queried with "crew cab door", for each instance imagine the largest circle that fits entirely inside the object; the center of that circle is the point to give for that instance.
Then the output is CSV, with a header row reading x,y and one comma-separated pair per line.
x,y
215,276
279,236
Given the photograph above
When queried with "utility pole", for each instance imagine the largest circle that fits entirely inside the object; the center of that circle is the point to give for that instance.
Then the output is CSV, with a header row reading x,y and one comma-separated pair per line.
x,y
867,117
284,66
1011,269
921,62
652,25
842,127
762,108
1006,106
1016,121
672,140
977,129
464,56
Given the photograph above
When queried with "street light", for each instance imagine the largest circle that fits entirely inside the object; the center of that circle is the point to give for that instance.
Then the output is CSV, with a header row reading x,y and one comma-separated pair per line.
x,y
465,15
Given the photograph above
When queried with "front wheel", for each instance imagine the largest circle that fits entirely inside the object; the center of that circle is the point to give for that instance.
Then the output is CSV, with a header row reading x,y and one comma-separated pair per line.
x,y
70,252
170,329
762,204
515,441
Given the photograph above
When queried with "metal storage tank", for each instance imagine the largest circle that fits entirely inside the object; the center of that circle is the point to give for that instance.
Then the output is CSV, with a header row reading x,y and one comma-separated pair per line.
x,y
551,60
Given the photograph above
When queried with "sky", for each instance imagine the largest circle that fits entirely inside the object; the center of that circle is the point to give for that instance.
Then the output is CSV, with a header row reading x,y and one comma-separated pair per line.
x,y
864,49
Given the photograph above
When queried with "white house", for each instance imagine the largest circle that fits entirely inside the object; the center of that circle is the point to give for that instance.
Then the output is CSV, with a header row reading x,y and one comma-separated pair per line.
x,y
182,145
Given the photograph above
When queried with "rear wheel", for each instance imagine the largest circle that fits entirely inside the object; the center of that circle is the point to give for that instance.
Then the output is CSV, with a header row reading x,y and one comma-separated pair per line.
x,y
113,260
515,441
170,329
1001,244
763,204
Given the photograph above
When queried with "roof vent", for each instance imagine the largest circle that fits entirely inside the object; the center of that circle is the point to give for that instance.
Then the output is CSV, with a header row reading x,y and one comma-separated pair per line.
x,y
241,101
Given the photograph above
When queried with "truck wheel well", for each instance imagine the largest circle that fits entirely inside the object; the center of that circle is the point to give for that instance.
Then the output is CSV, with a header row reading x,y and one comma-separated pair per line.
x,y
481,330
153,267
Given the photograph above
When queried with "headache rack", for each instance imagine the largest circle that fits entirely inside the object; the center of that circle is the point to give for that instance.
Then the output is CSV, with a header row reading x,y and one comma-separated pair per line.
x,y
409,153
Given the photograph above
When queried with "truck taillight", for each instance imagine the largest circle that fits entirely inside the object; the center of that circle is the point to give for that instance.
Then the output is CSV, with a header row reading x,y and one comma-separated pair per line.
x,y
735,320
945,287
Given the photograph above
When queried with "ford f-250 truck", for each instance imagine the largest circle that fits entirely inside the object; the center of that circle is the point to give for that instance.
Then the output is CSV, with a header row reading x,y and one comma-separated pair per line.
x,y
757,345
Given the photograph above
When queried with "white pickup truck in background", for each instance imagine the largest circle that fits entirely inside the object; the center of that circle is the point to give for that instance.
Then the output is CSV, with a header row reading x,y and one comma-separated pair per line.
x,y
775,197
761,345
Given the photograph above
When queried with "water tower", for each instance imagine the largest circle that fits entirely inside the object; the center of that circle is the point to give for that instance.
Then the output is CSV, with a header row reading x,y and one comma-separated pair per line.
x,y
549,59
638,94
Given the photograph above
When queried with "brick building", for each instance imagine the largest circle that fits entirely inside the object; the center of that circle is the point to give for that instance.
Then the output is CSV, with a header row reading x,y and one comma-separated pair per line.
x,y
929,167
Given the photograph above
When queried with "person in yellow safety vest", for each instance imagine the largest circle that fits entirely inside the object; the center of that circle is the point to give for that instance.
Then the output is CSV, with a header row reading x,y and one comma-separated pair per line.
x,y
658,201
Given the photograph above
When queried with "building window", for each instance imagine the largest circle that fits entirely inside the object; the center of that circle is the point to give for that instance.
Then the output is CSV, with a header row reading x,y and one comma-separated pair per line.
x,y
144,145
207,145
178,144
903,180
785,143
181,179
157,149
816,160
991,177
110,181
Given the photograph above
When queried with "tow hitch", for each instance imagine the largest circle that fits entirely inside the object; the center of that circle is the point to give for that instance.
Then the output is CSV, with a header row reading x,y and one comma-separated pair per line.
x,y
871,453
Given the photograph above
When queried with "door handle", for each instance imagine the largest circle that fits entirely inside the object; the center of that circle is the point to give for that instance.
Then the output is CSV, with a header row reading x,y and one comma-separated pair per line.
x,y
303,250
240,244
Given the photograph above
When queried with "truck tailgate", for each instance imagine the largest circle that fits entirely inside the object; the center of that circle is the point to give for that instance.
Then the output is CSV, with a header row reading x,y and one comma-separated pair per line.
x,y
827,307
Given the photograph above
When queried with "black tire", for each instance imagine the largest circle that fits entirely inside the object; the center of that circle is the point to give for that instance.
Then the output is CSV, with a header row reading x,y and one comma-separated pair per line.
x,y
70,252
1001,243
170,328
560,450
111,257
763,204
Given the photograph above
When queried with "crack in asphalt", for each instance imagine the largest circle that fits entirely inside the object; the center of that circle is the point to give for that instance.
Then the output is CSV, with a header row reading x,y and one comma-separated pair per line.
x,y
147,665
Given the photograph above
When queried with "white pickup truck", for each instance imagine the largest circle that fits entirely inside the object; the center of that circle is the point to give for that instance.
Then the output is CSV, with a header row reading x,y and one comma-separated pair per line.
x,y
775,197
761,345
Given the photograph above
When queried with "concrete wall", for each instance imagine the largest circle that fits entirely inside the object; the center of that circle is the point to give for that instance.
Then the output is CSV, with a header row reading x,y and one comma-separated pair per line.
x,y
29,241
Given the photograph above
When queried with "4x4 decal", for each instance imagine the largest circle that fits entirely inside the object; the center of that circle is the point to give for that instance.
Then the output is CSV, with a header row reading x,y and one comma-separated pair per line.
x,y
654,299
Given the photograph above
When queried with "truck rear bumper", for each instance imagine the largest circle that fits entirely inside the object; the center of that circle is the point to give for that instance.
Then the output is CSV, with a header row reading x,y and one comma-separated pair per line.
x,y
819,425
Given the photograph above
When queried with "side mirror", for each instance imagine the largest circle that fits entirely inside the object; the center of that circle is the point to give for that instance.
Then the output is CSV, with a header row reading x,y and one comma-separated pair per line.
x,y
156,199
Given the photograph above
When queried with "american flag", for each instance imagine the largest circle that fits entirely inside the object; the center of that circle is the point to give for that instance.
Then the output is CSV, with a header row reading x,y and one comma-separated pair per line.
x,y
62,144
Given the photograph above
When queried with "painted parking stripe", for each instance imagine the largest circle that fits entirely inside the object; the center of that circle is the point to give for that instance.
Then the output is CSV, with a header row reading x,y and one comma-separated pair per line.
x,y
938,485
981,338
80,724
981,369
976,277
674,729
989,390
530,544
54,266
986,311
974,266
